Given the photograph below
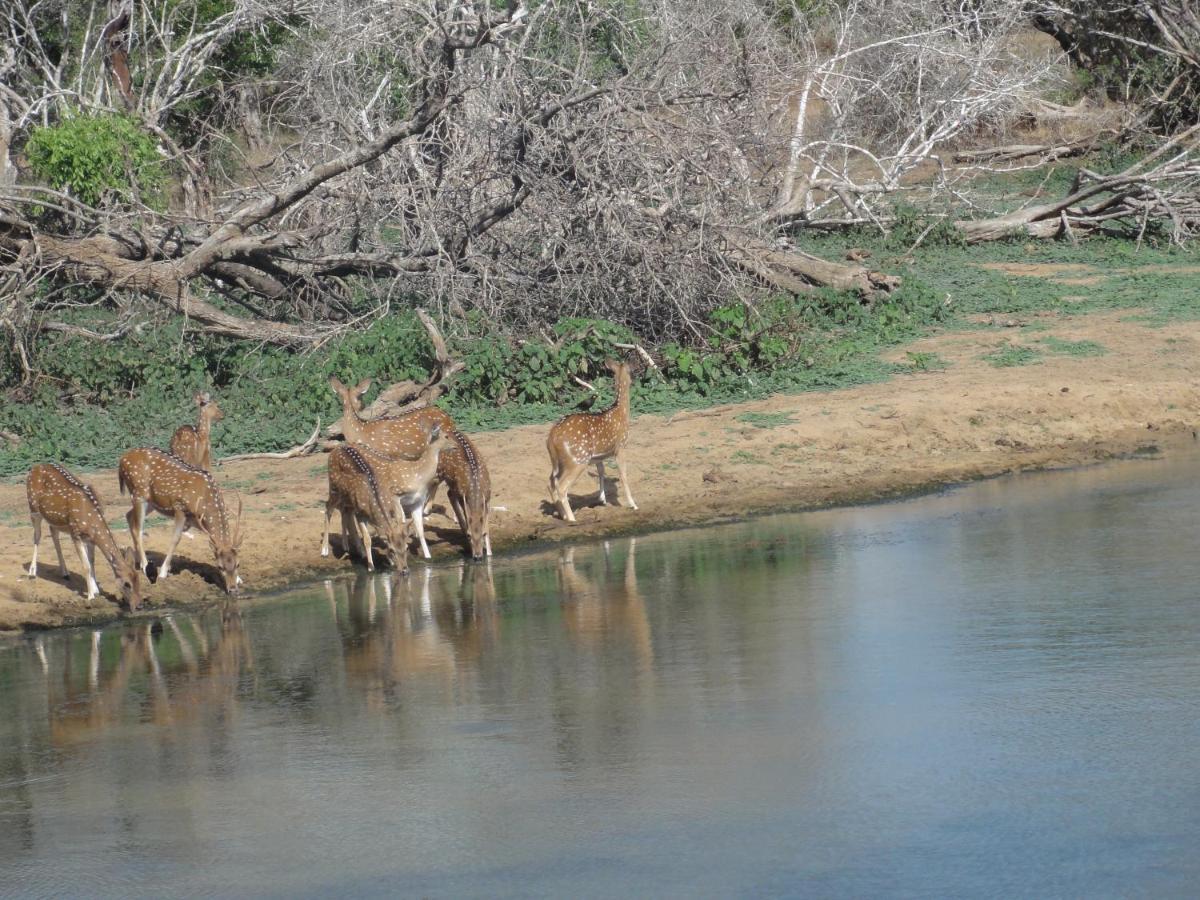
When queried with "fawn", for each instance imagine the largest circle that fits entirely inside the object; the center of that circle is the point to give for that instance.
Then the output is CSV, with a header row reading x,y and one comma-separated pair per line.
x,y
168,485
470,490
406,435
580,438
356,492
409,481
67,504
191,442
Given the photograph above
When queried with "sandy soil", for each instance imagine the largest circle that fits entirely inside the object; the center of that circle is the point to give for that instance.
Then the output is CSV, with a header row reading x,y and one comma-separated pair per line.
x,y
969,421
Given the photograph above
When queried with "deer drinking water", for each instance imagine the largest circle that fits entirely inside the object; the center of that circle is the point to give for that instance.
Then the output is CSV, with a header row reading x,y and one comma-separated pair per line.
x,y
460,466
469,487
67,504
409,481
192,443
356,491
165,483
580,438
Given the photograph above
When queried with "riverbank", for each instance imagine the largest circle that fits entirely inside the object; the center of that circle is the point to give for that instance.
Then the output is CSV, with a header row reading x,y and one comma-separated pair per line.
x,y
1077,390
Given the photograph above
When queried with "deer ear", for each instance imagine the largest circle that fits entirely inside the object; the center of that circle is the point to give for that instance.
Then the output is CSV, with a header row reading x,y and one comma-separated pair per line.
x,y
361,387
435,432
611,365
336,384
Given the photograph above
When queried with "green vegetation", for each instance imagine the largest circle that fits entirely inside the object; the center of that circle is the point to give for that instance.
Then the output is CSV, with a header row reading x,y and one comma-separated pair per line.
x,y
96,399
764,420
96,157
1060,347
1007,355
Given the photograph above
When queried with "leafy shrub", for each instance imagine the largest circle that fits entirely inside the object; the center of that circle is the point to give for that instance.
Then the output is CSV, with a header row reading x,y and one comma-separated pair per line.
x,y
95,157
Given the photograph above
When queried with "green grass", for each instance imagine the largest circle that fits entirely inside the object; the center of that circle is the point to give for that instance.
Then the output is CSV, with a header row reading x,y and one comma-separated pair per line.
x,y
1060,347
745,456
924,362
764,420
1008,355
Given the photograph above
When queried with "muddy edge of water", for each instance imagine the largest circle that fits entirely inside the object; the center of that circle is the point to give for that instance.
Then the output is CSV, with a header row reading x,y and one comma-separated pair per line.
x,y
36,614
912,433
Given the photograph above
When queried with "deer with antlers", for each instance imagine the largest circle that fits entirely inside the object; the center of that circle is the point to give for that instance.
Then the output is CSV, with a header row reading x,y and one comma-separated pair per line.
x,y
165,483
356,491
406,435
580,438
65,503
192,443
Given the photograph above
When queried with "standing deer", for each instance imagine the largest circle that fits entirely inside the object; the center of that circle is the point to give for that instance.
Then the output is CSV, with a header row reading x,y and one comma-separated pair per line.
x,y
469,487
356,492
67,504
406,435
409,481
578,439
192,443
163,482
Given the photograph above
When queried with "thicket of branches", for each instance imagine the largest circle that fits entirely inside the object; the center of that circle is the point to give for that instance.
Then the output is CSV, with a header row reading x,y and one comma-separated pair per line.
x,y
642,160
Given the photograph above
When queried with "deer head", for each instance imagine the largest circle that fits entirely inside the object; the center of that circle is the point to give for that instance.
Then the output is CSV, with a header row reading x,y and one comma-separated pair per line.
x,y
395,542
208,407
225,545
129,577
477,528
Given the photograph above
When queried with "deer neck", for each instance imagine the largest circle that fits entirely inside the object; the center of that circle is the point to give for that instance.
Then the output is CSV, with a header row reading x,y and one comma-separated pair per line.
x,y
352,423
107,545
210,513
203,427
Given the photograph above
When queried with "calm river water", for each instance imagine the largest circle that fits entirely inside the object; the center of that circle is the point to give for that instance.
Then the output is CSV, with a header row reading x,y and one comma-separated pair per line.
x,y
991,691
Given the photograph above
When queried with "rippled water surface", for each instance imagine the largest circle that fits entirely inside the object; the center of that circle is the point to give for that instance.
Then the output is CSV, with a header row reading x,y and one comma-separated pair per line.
x,y
985,692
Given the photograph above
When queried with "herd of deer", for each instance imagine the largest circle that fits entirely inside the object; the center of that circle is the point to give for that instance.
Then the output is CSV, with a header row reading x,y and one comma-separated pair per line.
x,y
381,480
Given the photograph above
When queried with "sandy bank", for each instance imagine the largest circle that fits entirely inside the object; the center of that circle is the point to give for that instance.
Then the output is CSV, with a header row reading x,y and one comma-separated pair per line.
x,y
969,421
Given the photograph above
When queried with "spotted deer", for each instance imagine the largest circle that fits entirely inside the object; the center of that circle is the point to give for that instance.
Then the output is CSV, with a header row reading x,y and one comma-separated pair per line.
x,y
406,435
469,487
578,439
65,503
356,491
409,481
191,443
163,482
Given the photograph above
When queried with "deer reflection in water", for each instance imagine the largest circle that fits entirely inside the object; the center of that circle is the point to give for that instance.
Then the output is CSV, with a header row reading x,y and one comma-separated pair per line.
x,y
602,609
209,655
430,627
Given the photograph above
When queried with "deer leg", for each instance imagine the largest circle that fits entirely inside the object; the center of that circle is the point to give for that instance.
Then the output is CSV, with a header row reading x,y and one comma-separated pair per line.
x,y
565,480
600,476
418,518
62,563
180,524
620,460
136,517
365,535
37,539
90,548
432,493
325,536
81,549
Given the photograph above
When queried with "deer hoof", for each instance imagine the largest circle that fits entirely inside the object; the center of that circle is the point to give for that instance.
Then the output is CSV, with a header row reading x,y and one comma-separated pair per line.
x,y
324,551
33,571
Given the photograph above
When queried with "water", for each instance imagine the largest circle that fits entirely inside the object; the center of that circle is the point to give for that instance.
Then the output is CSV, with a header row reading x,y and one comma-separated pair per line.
x,y
993,691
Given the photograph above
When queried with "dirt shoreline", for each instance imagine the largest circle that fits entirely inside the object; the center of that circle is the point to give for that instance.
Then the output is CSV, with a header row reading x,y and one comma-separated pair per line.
x,y
788,452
